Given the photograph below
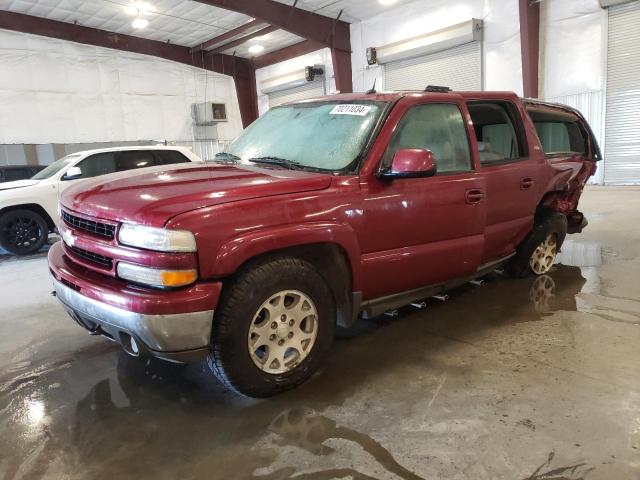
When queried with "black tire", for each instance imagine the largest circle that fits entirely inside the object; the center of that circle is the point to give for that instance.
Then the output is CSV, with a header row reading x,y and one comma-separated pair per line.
x,y
23,232
545,224
230,358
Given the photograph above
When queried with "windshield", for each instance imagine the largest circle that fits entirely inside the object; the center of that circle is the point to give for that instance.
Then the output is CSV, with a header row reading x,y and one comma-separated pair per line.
x,y
321,136
55,167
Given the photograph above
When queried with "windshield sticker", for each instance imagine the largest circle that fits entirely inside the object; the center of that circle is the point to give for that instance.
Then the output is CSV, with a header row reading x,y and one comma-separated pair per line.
x,y
351,109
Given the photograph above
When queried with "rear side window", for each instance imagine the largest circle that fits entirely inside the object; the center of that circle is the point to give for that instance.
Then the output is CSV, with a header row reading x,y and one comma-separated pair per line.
x,y
17,174
98,164
169,157
559,130
132,159
436,127
500,138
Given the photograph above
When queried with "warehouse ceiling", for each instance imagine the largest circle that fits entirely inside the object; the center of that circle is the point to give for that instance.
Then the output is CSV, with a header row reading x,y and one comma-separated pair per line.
x,y
188,23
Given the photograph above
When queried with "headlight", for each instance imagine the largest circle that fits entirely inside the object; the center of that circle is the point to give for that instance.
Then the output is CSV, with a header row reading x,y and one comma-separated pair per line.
x,y
156,277
159,239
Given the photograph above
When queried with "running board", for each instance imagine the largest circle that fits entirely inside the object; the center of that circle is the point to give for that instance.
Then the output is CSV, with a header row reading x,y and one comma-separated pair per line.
x,y
378,306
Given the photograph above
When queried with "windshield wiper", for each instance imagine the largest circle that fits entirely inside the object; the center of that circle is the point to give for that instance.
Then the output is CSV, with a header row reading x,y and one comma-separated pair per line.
x,y
226,157
281,162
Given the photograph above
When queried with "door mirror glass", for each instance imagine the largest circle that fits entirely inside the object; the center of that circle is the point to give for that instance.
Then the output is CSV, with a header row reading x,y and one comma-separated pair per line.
x,y
72,173
411,163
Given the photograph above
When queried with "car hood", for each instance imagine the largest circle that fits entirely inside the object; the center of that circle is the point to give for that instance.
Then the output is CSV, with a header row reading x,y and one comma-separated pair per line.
x,y
18,184
154,197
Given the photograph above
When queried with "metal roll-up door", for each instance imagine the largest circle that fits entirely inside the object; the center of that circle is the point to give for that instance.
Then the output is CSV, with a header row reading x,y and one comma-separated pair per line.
x,y
459,68
308,90
622,121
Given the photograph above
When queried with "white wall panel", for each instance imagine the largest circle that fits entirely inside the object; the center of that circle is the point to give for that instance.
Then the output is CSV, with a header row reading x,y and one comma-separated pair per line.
x,y
572,39
501,52
54,91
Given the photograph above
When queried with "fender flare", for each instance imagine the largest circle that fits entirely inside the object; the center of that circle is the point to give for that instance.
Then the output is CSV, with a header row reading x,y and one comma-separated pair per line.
x,y
238,250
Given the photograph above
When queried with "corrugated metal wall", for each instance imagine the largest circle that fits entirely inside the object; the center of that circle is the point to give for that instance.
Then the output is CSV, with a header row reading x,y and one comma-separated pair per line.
x,y
459,68
622,126
308,90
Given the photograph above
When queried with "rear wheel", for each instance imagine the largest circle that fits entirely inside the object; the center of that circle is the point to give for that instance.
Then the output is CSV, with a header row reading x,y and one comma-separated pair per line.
x,y
23,232
537,253
274,324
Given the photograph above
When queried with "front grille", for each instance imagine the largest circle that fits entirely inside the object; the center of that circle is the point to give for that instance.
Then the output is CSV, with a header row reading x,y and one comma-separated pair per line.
x,y
104,230
100,260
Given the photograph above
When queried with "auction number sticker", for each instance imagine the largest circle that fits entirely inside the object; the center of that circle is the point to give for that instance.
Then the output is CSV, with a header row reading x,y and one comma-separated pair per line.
x,y
351,109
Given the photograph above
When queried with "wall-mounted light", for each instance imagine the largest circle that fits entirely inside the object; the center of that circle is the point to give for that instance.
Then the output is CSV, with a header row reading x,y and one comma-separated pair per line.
x,y
372,56
311,72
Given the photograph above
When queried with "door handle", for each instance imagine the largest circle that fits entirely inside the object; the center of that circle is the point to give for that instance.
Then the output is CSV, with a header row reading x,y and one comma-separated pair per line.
x,y
473,196
526,183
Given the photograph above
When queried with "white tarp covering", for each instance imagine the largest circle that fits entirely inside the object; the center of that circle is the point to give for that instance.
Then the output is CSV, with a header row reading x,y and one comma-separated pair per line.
x,y
54,91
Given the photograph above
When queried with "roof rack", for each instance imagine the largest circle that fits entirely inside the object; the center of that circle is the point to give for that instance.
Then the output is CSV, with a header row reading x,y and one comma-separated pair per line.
x,y
437,89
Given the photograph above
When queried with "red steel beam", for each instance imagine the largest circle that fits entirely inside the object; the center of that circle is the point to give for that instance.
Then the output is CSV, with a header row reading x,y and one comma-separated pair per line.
x,y
242,40
287,53
225,64
342,70
530,46
327,31
230,35
239,68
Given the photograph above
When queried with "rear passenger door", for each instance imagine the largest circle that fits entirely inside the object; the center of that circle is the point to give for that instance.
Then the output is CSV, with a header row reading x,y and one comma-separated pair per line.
x,y
511,174
424,231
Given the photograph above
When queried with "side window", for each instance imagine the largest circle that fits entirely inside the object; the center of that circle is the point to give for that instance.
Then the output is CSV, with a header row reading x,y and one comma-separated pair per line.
x,y
499,137
16,174
438,127
98,164
132,159
169,157
559,130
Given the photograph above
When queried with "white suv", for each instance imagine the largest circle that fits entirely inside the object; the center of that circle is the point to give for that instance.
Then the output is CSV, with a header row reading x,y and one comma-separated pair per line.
x,y
28,207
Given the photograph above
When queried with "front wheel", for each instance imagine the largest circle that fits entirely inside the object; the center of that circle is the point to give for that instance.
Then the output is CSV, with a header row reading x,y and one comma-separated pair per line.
x,y
537,253
23,232
274,324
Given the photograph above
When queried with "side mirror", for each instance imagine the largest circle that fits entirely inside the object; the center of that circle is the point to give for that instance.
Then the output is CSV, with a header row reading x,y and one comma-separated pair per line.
x,y
411,163
72,173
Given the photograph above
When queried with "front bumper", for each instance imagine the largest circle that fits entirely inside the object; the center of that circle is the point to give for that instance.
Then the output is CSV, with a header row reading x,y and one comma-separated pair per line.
x,y
161,323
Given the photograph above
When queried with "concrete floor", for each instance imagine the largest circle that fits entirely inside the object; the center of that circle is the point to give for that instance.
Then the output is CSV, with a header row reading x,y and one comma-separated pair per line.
x,y
533,379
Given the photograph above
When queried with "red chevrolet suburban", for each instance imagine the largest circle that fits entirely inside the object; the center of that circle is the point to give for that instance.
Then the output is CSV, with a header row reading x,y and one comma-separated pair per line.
x,y
320,212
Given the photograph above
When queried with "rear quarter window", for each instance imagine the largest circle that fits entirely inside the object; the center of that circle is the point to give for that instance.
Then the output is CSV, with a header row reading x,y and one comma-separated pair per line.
x,y
169,157
559,131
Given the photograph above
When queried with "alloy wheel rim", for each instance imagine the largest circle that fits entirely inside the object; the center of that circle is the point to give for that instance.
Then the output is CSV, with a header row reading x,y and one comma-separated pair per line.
x,y
544,255
23,233
283,331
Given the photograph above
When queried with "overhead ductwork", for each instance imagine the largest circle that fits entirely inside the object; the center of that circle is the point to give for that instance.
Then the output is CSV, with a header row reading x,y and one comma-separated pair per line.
x,y
432,42
293,79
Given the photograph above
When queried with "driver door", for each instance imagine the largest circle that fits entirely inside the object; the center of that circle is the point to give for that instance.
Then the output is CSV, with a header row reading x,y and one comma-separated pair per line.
x,y
424,231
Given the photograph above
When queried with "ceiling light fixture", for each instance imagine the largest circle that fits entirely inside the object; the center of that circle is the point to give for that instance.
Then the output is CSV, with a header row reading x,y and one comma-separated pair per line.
x,y
139,22
256,49
387,2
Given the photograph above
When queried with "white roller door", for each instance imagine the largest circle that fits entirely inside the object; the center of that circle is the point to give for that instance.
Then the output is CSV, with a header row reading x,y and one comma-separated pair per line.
x,y
308,90
622,121
459,68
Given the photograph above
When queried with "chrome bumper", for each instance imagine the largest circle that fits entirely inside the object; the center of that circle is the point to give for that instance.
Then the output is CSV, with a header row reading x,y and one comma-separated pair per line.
x,y
161,335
